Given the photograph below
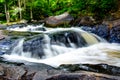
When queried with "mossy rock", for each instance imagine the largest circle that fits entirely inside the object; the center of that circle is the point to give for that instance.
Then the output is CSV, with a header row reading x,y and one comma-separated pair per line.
x,y
16,33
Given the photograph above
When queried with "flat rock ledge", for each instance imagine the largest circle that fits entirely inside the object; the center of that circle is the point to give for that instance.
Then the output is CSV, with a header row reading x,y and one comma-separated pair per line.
x,y
46,72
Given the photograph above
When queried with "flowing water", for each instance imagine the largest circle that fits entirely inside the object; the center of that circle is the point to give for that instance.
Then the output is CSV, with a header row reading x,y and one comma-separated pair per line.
x,y
83,47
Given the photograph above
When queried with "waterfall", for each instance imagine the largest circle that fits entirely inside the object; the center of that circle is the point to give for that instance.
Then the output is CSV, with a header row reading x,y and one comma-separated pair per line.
x,y
64,40
67,46
19,48
47,47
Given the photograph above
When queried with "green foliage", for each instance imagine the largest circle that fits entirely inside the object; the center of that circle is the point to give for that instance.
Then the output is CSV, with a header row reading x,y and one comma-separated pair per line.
x,y
1,1
41,8
102,8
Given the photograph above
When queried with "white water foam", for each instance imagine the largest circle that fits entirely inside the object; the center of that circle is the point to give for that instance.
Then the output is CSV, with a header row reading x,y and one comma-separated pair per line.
x,y
94,54
30,28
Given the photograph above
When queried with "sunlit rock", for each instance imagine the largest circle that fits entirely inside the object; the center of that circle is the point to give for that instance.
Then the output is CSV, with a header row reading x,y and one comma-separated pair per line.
x,y
64,18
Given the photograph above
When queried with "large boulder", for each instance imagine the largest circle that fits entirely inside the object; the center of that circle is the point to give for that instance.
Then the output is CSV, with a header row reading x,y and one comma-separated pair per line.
x,y
64,18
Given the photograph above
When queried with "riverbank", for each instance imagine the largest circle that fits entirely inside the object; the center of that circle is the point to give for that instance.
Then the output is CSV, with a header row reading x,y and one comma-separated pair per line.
x,y
35,71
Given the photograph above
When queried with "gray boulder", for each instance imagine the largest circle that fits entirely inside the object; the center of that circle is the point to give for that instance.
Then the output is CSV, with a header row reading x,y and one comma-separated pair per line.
x,y
64,18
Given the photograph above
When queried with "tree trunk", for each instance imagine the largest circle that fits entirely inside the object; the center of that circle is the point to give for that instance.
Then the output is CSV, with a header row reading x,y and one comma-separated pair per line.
x,y
24,4
20,12
31,14
7,12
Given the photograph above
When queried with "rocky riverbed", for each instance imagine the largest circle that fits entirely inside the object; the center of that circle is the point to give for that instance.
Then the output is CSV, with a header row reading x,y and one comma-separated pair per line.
x,y
10,70
35,71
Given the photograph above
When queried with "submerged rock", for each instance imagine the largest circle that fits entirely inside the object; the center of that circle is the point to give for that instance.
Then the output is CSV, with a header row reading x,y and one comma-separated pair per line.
x,y
64,18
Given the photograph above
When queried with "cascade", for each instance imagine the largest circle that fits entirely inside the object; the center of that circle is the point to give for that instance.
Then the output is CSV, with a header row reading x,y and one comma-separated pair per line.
x,y
66,46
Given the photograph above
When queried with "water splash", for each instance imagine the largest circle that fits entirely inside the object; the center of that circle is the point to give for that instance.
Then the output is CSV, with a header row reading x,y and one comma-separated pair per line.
x,y
93,54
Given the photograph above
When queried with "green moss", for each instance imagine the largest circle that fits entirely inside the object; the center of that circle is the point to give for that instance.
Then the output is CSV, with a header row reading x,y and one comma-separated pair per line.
x,y
16,33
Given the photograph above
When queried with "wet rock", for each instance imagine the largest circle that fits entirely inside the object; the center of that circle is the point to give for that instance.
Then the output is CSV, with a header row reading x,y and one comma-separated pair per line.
x,y
89,29
82,76
102,31
100,68
64,18
20,25
39,71
1,35
44,74
68,37
115,34
37,67
34,46
6,46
